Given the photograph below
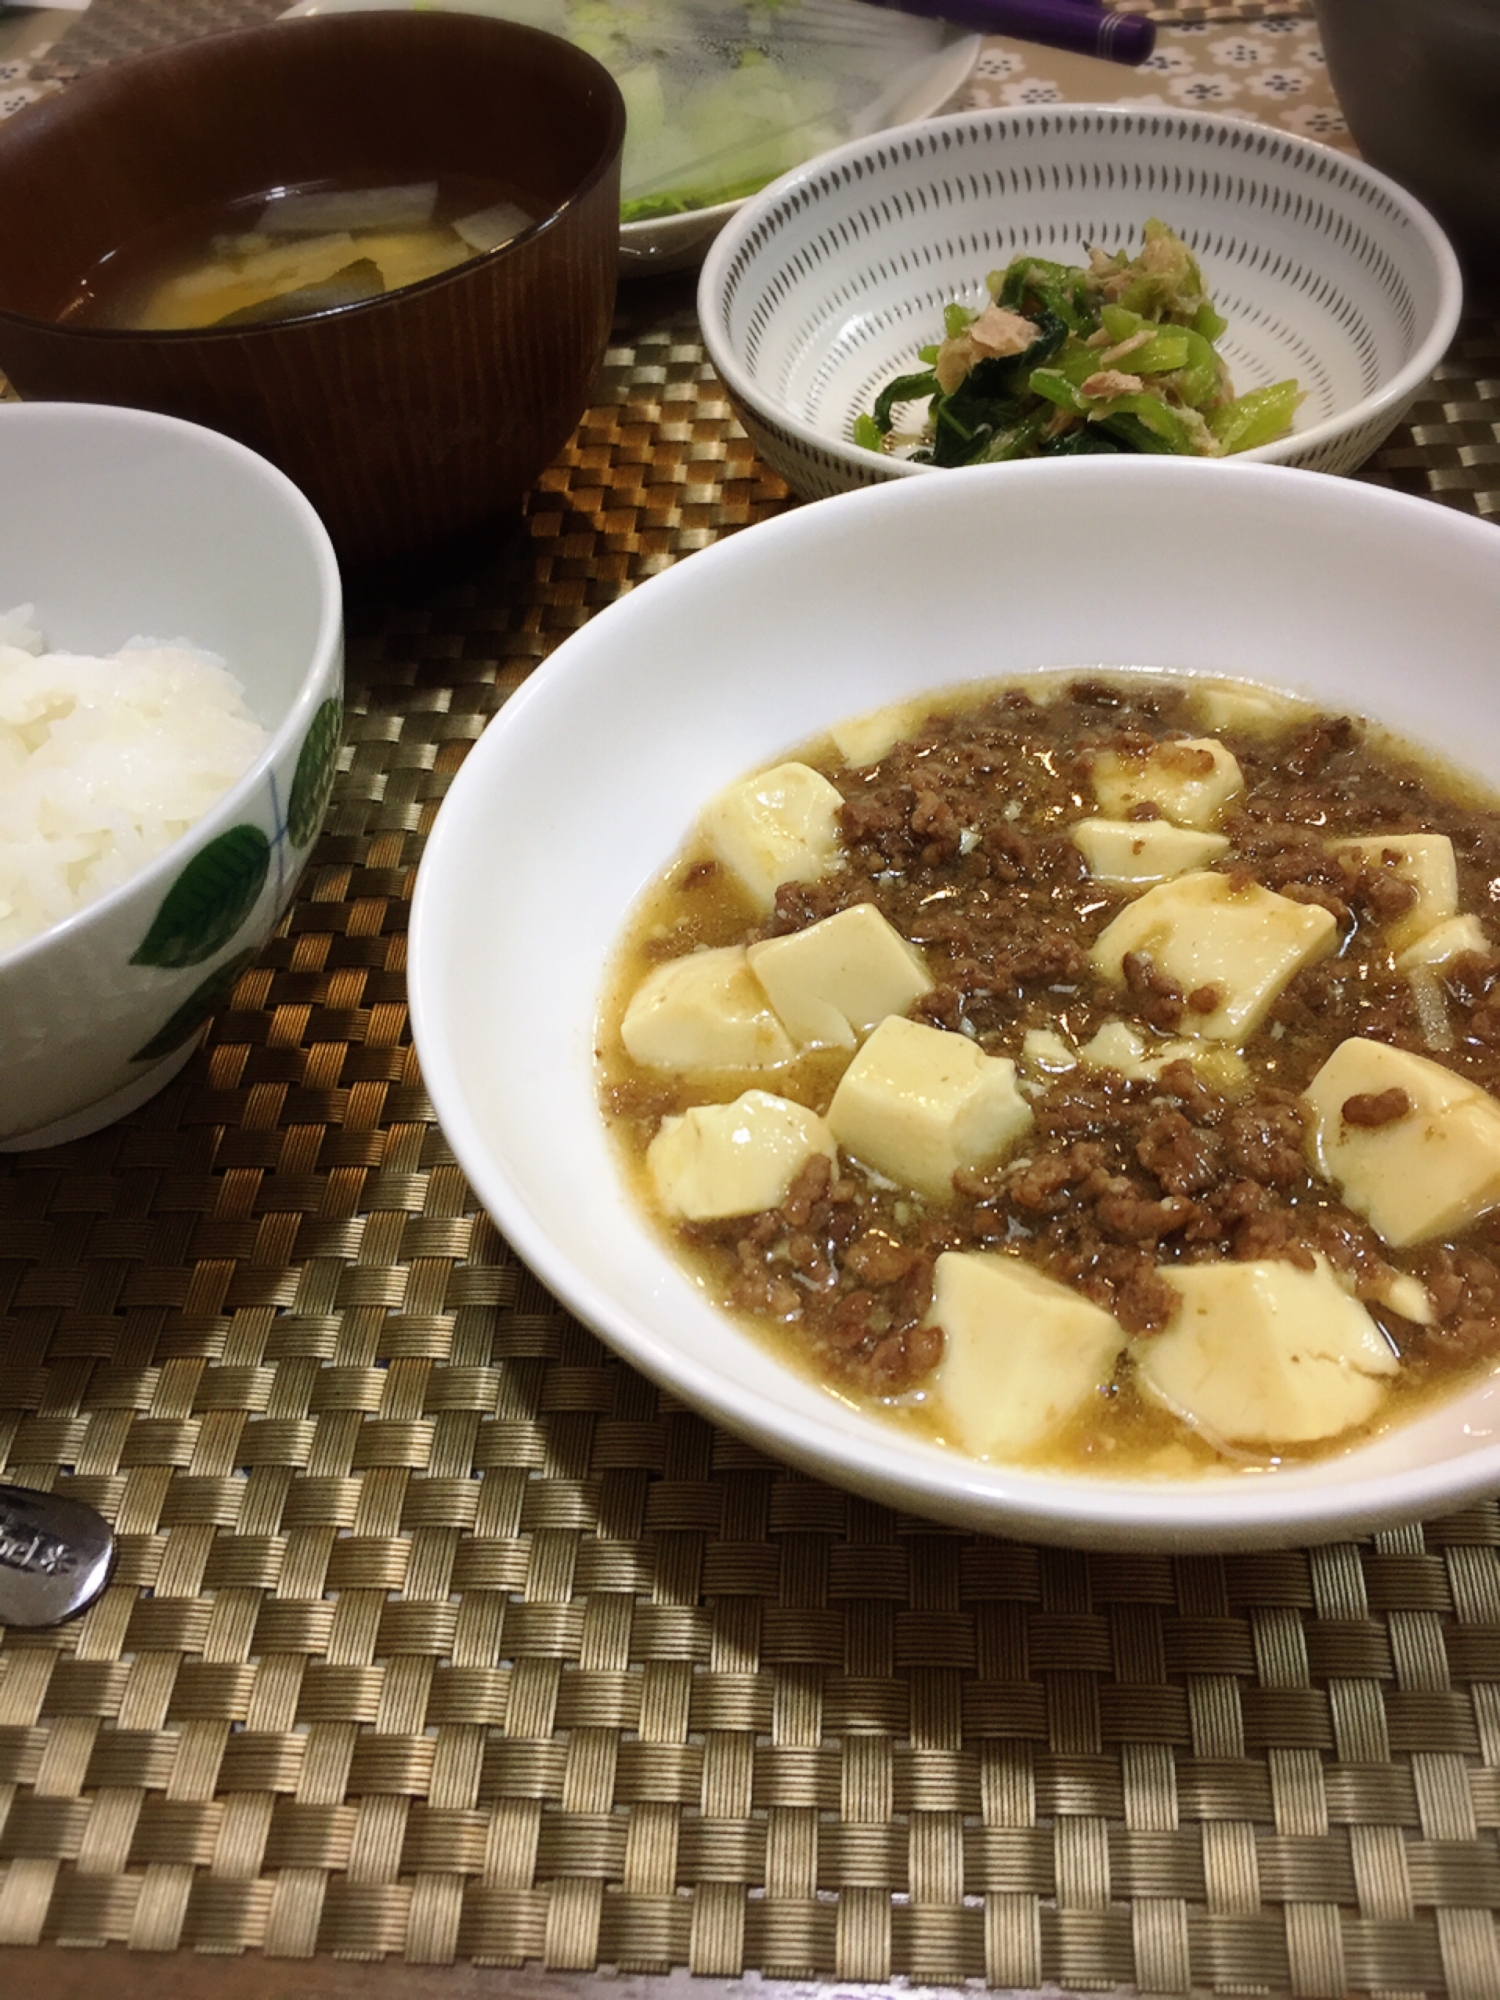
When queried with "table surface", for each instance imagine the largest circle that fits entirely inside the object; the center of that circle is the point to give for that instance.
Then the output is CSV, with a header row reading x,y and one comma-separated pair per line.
x,y
446,1655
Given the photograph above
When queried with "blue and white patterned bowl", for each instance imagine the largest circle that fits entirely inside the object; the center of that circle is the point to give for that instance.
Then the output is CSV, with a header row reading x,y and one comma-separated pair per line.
x,y
116,523
824,286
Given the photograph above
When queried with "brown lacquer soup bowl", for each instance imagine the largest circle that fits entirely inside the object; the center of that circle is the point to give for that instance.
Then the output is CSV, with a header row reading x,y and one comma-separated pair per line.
x,y
407,418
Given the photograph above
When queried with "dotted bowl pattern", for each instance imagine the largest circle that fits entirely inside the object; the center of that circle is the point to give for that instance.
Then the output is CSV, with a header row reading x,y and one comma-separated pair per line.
x,y
826,285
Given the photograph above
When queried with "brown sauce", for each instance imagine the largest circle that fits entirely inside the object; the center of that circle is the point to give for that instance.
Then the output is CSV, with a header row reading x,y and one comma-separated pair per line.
x,y
1119,1175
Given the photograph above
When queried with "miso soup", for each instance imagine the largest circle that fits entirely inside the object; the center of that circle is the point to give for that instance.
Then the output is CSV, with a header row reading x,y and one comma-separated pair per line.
x,y
295,251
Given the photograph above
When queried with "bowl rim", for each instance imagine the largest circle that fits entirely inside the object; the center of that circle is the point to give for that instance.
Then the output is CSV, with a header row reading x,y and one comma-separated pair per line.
x,y
1081,1510
1389,399
326,651
483,259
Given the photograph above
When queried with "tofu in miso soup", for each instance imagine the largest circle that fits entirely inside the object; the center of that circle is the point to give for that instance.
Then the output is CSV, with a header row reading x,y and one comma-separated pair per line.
x,y
296,251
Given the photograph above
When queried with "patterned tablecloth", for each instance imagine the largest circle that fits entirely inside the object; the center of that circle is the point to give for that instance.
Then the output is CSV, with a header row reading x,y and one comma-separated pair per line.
x,y
1250,60
439,1633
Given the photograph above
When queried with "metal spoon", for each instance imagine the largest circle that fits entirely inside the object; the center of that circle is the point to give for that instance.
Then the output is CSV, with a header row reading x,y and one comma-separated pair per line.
x,y
55,1557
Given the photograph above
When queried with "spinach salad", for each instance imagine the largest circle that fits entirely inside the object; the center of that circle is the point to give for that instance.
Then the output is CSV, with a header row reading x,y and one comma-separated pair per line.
x,y
1117,355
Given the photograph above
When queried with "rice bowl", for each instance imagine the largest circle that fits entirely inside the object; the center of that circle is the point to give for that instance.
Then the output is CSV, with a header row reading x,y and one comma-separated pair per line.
x,y
118,521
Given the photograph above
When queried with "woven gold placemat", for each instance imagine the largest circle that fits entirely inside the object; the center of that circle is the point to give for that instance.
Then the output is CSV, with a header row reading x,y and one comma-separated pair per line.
x,y
439,1632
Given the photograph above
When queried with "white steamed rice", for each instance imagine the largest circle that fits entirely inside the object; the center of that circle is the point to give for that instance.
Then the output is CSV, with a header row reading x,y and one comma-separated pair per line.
x,y
103,763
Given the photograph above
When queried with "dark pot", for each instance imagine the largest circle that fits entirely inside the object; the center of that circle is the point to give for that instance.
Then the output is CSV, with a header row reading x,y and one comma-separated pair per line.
x,y
1419,82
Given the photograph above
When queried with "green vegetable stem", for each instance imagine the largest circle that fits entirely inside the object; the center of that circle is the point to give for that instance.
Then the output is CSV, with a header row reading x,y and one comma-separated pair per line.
x,y
1065,360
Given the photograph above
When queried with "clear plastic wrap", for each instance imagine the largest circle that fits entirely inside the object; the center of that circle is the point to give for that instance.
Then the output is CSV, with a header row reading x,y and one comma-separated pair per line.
x,y
721,96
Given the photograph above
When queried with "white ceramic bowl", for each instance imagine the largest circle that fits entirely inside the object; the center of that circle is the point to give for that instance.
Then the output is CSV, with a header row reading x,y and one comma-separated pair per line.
x,y
117,523
824,286
1325,586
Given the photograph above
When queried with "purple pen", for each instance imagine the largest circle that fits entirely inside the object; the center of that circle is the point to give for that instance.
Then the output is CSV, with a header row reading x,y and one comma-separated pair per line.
x,y
1080,25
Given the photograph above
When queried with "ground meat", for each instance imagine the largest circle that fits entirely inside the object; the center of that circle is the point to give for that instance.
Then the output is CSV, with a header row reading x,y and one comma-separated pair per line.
x,y
1130,1216
1353,1248
1265,1141
1385,896
1313,752
1466,1338
807,1190
872,819
757,1289
1472,977
1272,1231
1143,1300
799,905
1041,1187
1126,1283
1013,857
1154,997
1370,1109
1464,1286
1188,760
937,826
1000,952
878,1259
1462,1281
1316,896
943,1007
1183,1158
1203,1104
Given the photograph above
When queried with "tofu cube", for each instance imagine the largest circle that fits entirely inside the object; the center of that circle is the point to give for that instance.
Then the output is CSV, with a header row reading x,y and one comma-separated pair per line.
x,y
835,981
734,1159
1262,1353
1423,859
1134,853
707,1011
1120,1047
1204,930
782,826
1428,1172
1190,780
1022,1354
1045,1050
1406,1295
1439,947
1116,1046
865,739
918,1103
1239,705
